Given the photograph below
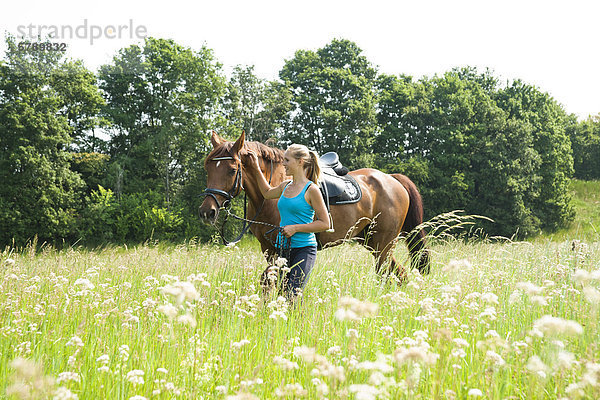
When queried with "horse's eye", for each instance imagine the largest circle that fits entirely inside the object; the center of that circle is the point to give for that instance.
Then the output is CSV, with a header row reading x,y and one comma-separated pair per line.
x,y
232,172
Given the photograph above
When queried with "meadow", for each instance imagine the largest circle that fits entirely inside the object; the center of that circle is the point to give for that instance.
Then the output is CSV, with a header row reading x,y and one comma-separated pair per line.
x,y
494,320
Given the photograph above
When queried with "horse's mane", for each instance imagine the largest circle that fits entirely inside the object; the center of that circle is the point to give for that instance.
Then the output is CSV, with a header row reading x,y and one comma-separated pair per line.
x,y
266,152
261,150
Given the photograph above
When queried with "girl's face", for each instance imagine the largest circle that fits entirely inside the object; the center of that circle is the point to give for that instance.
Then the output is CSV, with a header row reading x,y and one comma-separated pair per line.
x,y
291,164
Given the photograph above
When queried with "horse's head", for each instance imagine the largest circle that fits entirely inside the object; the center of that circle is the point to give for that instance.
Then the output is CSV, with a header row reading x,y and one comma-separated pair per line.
x,y
224,175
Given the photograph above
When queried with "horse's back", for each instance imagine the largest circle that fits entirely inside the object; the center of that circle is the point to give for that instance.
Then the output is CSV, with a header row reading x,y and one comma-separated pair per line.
x,y
383,186
384,201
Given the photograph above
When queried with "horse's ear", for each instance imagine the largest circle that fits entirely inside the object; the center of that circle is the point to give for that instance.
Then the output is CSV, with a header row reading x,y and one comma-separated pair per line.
x,y
239,144
216,140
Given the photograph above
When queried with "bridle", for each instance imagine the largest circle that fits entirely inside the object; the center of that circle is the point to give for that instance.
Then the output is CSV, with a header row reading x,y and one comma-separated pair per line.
x,y
237,187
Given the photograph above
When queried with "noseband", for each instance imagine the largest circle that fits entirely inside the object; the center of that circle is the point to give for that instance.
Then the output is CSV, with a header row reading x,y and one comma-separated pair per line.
x,y
234,191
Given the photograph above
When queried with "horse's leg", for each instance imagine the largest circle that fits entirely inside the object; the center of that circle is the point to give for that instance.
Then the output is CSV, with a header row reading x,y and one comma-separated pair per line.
x,y
381,246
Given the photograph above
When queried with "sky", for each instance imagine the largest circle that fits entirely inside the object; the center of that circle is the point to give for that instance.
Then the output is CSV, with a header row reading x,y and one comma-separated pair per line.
x,y
550,44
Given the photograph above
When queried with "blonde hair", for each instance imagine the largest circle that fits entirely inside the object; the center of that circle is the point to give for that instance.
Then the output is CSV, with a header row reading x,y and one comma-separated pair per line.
x,y
311,161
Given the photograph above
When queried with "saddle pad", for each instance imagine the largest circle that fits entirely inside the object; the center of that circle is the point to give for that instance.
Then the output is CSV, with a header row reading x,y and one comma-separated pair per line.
x,y
341,189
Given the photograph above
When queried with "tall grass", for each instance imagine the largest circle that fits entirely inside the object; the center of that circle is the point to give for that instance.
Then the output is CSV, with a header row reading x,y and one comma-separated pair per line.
x,y
189,322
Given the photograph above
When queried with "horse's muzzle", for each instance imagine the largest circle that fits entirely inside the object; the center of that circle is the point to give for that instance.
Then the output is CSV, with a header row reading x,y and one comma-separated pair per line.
x,y
208,213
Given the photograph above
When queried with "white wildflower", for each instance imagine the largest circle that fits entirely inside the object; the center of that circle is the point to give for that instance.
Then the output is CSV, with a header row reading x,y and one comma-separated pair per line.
x,y
537,366
458,353
321,387
581,276
285,364
495,358
565,359
575,390
539,300
592,374
491,334
75,341
62,393
169,310
281,262
278,308
104,359
187,319
292,390
84,284
474,393
380,365
135,377
364,392
554,325
351,309
240,344
181,291
529,288
458,266
124,352
489,312
68,376
418,354
592,295
489,298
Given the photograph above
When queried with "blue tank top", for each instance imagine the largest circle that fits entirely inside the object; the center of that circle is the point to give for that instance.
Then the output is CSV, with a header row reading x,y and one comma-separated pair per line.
x,y
296,210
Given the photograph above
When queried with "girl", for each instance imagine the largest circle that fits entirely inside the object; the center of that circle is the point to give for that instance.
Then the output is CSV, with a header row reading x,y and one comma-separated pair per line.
x,y
299,200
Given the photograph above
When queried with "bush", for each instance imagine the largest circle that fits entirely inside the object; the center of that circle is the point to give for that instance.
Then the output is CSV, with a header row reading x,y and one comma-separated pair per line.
x,y
132,218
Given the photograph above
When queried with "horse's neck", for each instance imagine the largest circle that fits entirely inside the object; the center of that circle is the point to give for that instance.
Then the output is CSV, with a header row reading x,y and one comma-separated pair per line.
x,y
274,176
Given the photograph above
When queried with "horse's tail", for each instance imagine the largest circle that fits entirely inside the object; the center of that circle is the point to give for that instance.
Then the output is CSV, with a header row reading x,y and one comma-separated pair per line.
x,y
415,238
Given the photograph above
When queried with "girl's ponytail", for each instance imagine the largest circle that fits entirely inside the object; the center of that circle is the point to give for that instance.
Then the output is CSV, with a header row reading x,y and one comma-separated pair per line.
x,y
314,170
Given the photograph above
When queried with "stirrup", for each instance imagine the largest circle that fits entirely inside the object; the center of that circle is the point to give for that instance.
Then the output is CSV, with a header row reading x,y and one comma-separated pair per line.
x,y
331,229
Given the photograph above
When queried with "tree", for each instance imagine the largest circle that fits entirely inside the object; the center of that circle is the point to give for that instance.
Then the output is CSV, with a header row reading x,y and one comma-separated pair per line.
x,y
585,139
254,105
333,101
78,90
549,122
39,194
161,99
452,135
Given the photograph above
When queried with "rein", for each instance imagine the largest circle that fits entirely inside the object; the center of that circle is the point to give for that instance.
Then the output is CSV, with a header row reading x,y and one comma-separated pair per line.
x,y
226,206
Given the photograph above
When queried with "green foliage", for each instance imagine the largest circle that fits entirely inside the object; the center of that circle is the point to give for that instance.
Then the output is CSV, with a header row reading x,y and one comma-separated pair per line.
x,y
254,105
161,99
134,218
551,202
92,167
586,225
585,139
467,141
39,193
499,152
333,101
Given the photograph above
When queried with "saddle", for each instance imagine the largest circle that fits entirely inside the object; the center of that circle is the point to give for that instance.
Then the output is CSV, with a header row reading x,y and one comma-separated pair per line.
x,y
337,186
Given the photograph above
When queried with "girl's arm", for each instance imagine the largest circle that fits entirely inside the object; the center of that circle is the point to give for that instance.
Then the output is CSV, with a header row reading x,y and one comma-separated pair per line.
x,y
266,190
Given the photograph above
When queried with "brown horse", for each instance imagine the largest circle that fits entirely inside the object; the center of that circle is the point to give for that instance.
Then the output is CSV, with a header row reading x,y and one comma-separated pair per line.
x,y
391,205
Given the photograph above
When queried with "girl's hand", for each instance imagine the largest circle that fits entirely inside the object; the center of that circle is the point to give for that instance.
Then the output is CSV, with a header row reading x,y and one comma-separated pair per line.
x,y
253,160
289,230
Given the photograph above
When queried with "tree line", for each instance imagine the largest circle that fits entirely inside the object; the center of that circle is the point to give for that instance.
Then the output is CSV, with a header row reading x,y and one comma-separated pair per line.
x,y
117,155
